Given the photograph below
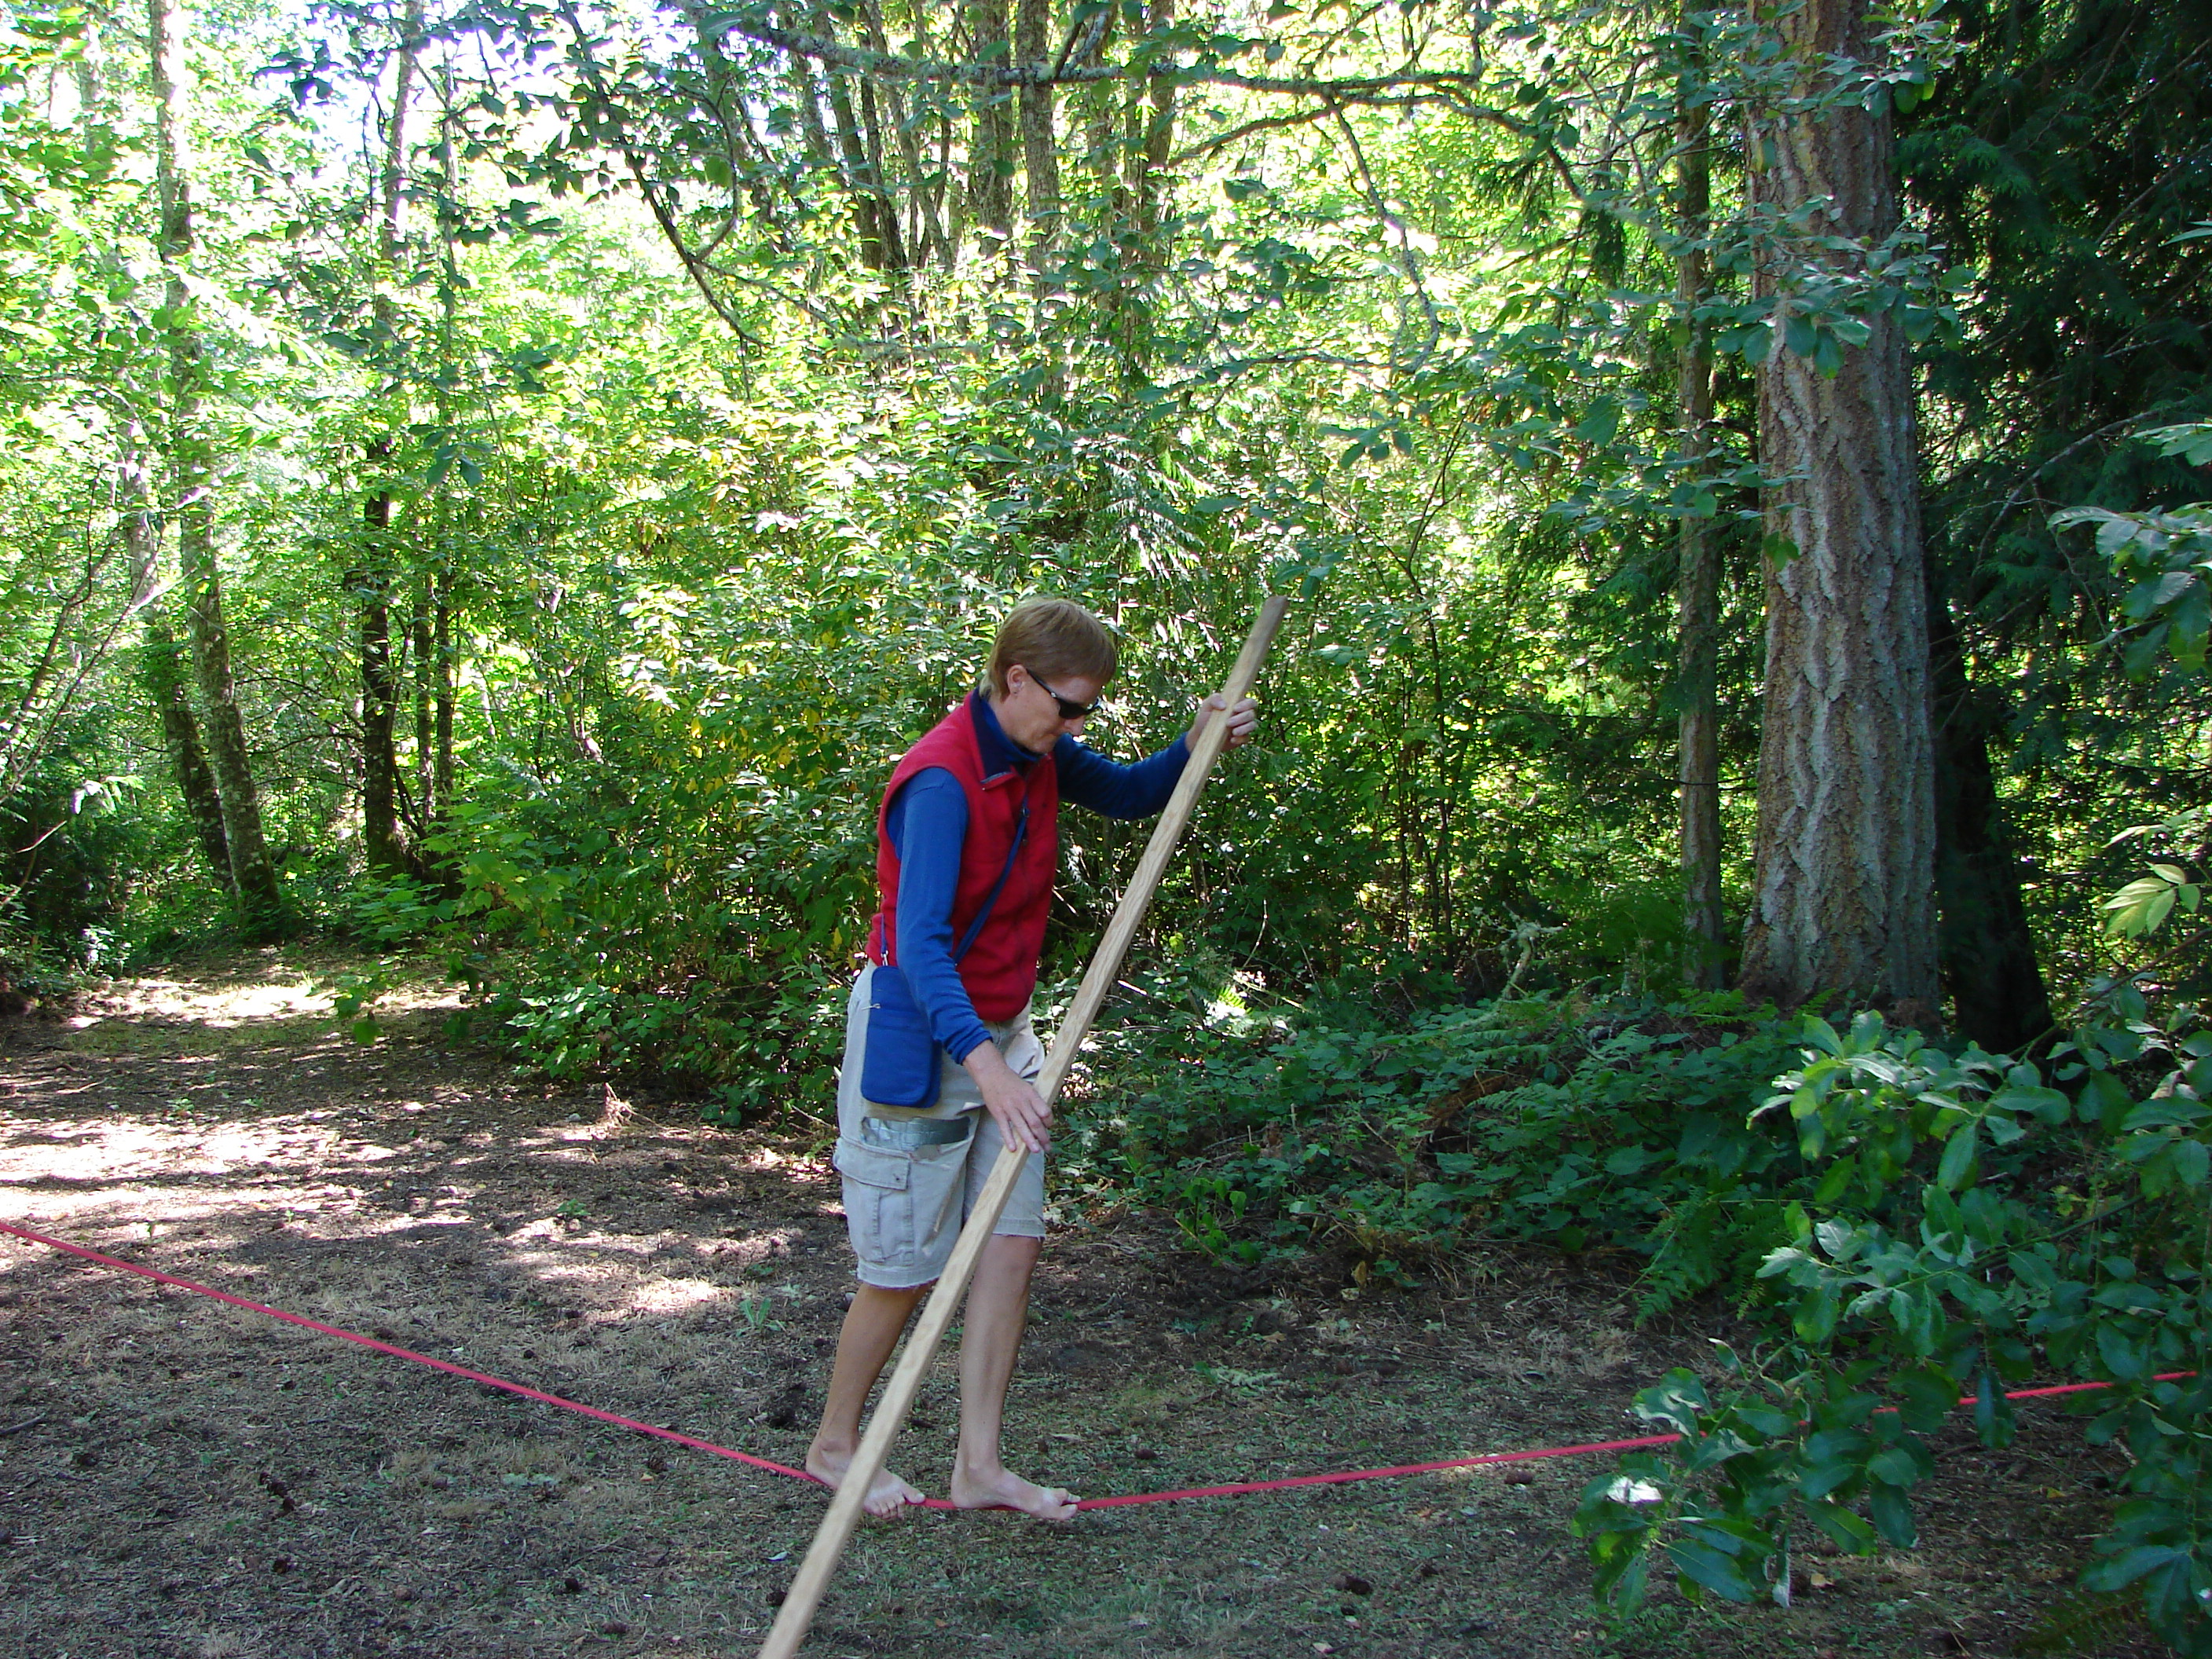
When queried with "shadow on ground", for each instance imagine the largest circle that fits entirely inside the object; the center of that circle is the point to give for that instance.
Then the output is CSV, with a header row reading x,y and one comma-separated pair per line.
x,y
181,1478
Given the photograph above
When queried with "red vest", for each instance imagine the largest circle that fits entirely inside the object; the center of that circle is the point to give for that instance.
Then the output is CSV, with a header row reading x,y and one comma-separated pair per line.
x,y
1000,969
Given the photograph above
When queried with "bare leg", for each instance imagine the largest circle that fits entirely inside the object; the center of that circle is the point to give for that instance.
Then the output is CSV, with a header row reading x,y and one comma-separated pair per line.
x,y
998,1302
872,1330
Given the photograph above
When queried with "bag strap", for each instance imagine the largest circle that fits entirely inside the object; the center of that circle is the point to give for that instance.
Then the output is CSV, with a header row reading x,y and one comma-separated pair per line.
x,y
974,927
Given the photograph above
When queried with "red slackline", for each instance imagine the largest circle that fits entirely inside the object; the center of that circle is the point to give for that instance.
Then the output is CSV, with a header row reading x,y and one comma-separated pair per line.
x,y
1236,1489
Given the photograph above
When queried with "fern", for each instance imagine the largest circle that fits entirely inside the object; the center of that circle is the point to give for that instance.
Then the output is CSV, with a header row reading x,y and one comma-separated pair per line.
x,y
1716,1238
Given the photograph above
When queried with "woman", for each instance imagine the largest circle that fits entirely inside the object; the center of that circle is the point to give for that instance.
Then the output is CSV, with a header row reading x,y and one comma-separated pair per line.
x,y
966,850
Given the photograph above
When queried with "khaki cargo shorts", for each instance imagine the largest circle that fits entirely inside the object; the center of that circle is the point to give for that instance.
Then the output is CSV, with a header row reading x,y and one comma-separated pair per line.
x,y
912,1177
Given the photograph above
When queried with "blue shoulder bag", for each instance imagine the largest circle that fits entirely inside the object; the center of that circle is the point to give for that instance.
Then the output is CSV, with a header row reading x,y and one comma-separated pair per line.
x,y
898,1067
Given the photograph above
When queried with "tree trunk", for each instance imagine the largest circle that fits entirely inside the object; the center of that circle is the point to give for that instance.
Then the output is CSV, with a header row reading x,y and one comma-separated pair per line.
x,y
1986,947
1100,104
423,670
875,220
1843,898
923,237
441,699
191,465
1698,582
1152,179
889,225
384,849
161,666
161,670
1040,151
807,93
993,150
438,662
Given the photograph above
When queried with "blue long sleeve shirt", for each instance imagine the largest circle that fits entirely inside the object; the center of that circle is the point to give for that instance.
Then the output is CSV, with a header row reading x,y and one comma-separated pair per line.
x,y
928,822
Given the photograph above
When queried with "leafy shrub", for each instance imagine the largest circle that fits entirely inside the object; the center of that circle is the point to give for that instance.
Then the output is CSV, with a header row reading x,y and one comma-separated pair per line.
x,y
1971,1227
608,942
65,866
1618,1124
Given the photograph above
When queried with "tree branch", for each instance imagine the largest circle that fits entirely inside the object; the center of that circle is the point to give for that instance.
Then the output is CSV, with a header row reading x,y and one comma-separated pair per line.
x,y
662,215
895,66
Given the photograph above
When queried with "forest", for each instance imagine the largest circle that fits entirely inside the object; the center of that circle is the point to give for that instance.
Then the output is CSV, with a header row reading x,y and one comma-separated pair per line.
x,y
496,484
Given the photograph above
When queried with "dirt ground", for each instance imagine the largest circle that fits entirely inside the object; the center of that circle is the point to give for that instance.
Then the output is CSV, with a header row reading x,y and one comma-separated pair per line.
x,y
177,1477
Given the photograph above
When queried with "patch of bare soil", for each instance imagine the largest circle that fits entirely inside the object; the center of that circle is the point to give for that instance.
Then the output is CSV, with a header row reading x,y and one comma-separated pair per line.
x,y
177,1477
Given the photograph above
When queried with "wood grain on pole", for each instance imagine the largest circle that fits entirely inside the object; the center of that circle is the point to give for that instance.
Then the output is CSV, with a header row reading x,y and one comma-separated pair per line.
x,y
921,1343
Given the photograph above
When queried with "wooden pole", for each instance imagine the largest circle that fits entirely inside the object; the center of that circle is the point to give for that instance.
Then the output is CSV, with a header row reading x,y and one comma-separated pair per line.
x,y
844,1513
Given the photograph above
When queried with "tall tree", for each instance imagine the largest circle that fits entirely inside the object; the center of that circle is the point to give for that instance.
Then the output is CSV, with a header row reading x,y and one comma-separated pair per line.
x,y
1987,948
1844,895
383,849
161,667
1040,148
163,671
992,147
2067,161
192,457
1698,583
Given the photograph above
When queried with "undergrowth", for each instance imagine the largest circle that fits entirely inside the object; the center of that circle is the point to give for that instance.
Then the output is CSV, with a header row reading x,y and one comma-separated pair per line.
x,y
1609,1124
1903,1223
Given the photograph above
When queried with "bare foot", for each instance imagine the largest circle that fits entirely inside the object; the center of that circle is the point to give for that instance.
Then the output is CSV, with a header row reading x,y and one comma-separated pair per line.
x,y
887,1493
1003,1491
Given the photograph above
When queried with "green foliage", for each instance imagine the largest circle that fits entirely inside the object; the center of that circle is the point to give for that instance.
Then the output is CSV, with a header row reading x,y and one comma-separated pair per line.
x,y
1613,1125
1775,1457
709,407
2142,906
2164,559
1977,1223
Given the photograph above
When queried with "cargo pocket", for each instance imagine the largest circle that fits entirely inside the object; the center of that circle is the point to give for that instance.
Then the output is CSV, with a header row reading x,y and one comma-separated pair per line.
x,y
879,1203
1025,1053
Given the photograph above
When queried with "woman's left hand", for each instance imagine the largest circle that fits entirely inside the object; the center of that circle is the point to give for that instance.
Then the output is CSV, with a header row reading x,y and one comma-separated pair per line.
x,y
1243,719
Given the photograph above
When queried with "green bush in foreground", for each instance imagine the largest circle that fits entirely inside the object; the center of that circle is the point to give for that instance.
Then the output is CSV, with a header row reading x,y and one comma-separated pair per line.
x,y
1971,1228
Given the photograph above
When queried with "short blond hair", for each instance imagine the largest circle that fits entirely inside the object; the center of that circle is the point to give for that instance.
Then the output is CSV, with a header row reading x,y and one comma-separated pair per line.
x,y
1054,639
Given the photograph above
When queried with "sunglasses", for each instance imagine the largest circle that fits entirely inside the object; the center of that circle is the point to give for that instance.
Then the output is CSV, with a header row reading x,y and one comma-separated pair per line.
x,y
1068,711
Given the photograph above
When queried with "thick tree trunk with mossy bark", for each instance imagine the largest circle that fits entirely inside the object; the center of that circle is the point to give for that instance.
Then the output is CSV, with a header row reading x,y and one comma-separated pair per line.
x,y
1844,899
192,469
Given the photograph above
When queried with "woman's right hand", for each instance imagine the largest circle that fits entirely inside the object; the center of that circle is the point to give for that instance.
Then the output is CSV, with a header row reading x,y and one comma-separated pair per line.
x,y
1023,1117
